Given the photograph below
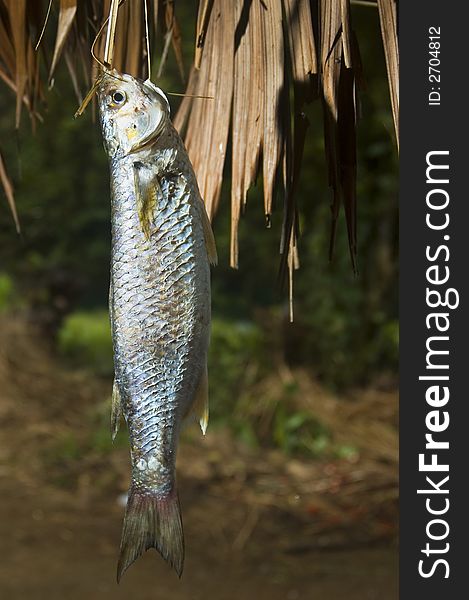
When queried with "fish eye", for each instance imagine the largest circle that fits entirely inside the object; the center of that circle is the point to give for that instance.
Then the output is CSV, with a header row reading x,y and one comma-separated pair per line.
x,y
118,97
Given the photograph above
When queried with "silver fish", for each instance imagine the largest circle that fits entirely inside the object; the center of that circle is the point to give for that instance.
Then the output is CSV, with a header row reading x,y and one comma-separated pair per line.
x,y
159,305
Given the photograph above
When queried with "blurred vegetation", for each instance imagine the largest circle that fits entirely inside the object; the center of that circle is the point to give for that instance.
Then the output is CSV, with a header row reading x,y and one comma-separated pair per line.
x,y
6,292
345,331
85,339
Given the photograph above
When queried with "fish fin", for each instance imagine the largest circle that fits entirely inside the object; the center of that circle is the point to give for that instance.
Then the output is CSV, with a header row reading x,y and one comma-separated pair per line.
x,y
199,408
147,190
116,410
209,237
152,521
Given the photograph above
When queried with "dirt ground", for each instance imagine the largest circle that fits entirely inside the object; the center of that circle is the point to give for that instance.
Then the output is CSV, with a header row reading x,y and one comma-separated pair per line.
x,y
257,524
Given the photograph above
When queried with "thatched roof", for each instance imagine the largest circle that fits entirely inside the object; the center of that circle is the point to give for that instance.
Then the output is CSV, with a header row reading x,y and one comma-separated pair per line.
x,y
260,60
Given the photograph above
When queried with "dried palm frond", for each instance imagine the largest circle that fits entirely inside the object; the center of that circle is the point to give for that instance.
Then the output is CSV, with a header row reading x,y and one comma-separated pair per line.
x,y
8,187
340,71
68,9
208,125
388,18
260,60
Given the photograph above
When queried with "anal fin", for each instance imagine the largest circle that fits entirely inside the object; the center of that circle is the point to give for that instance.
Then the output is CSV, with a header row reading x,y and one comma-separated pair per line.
x,y
199,408
116,410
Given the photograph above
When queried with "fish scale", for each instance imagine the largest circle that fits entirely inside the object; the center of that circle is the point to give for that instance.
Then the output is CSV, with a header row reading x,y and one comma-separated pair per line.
x,y
159,304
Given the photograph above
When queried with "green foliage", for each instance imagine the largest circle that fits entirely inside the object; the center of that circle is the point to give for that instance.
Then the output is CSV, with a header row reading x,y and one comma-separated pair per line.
x,y
66,448
85,339
235,351
6,291
299,431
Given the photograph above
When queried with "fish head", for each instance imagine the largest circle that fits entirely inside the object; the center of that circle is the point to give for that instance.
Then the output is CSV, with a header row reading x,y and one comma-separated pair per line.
x,y
133,113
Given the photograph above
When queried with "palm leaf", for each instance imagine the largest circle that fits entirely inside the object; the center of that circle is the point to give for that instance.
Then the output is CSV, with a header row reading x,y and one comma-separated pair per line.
x,y
388,19
260,60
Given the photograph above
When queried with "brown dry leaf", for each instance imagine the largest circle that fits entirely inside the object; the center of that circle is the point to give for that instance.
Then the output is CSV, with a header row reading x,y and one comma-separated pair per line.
x,y
11,84
68,9
7,52
223,95
241,92
331,52
35,18
8,188
134,54
274,98
339,100
348,155
176,37
195,136
346,32
301,42
304,68
331,56
100,14
205,9
289,259
17,14
388,19
208,128
182,115
120,48
255,102
32,89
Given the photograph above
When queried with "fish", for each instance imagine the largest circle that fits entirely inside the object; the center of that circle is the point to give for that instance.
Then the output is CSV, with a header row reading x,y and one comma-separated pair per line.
x,y
159,305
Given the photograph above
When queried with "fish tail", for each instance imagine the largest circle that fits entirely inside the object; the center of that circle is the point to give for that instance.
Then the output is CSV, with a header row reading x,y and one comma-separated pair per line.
x,y
152,521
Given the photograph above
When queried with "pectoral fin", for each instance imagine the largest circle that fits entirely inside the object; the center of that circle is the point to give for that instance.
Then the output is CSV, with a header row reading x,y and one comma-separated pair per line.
x,y
208,235
147,191
116,410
